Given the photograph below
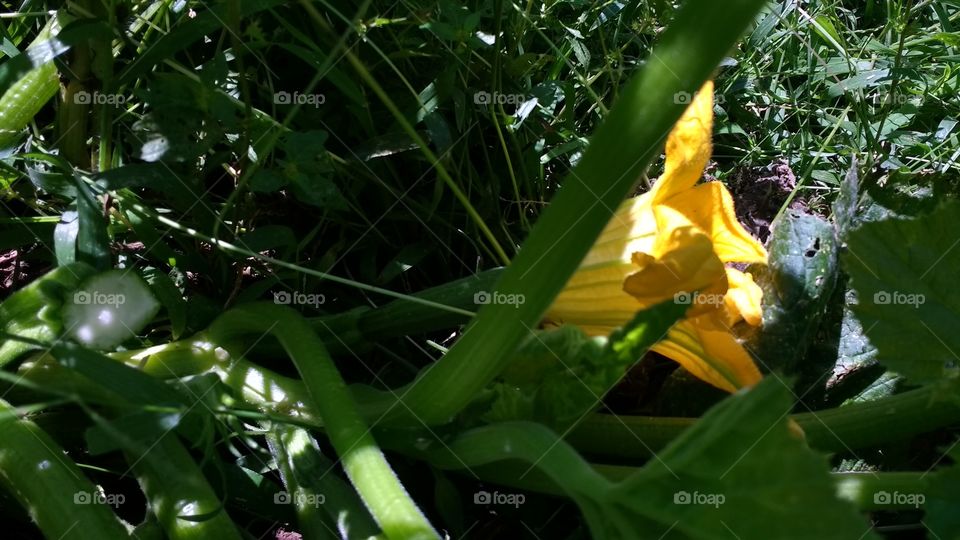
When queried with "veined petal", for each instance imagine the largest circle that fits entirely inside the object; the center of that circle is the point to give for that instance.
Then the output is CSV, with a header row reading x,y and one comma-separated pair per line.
x,y
682,261
743,300
710,207
688,147
632,228
594,300
711,353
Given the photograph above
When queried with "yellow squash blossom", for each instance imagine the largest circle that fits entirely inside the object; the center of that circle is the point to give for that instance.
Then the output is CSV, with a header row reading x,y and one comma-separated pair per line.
x,y
675,242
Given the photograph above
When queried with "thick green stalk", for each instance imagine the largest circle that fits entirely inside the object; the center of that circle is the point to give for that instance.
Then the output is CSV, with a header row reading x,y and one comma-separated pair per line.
x,y
179,495
312,521
364,463
323,501
60,499
696,41
841,429
24,99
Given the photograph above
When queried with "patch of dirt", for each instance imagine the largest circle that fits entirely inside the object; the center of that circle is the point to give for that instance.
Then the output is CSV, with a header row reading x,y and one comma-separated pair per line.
x,y
759,192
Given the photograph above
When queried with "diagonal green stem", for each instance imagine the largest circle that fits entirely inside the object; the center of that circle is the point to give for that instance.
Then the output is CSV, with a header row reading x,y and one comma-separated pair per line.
x,y
364,463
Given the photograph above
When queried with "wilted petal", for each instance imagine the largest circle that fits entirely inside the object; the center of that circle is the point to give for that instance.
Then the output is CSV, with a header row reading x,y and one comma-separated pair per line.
x,y
688,147
710,207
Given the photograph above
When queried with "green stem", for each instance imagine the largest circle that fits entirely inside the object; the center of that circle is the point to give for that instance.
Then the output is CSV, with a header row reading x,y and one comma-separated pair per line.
x,y
364,463
24,99
841,429
304,471
38,473
286,442
179,495
559,470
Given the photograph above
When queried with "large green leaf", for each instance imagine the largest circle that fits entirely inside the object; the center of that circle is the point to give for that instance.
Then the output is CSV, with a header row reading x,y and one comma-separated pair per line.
x,y
797,284
904,273
726,477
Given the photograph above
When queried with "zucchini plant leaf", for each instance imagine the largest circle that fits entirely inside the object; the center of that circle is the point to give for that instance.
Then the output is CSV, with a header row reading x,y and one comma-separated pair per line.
x,y
797,287
725,477
904,274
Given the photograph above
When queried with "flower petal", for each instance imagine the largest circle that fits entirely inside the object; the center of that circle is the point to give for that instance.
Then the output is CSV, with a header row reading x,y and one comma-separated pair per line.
x,y
711,353
682,261
743,300
632,228
594,300
710,207
688,147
